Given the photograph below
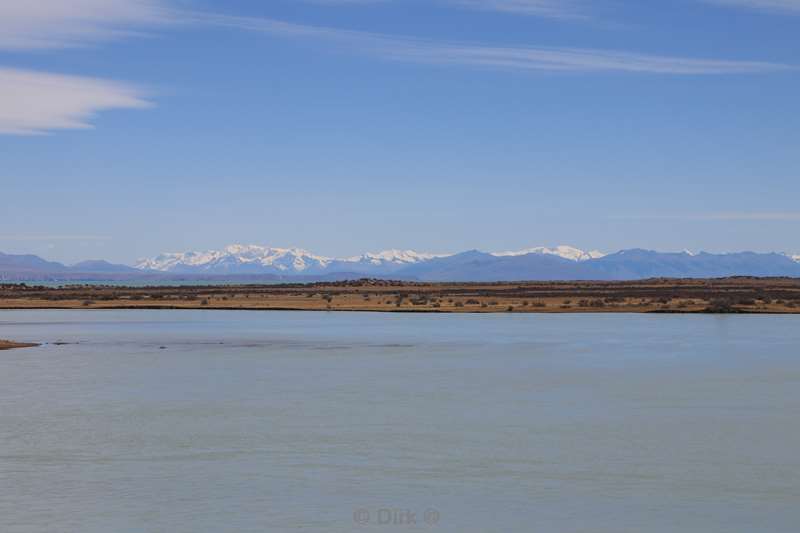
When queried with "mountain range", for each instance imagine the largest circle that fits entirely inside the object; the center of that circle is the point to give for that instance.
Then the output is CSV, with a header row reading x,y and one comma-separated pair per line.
x,y
260,263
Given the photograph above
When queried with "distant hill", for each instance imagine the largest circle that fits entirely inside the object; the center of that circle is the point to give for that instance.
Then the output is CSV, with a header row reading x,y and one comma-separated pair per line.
x,y
27,263
34,268
96,265
641,264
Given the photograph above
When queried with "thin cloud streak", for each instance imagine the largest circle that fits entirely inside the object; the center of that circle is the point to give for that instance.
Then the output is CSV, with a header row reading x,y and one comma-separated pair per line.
x,y
34,102
778,6
553,59
54,238
777,216
59,23
53,24
43,24
558,9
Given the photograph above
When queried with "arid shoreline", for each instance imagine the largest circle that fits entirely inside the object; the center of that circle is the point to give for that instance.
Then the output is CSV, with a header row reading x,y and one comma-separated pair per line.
x,y
10,345
729,295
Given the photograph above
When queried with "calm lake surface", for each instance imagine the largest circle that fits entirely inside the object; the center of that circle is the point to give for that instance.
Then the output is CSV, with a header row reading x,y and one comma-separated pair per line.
x,y
204,421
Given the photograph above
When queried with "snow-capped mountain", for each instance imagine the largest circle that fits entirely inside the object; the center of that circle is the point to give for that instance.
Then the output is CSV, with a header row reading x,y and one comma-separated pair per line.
x,y
253,259
392,256
567,252
380,263
238,258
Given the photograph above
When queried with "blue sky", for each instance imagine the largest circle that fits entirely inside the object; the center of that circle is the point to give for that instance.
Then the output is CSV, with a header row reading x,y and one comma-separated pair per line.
x,y
129,128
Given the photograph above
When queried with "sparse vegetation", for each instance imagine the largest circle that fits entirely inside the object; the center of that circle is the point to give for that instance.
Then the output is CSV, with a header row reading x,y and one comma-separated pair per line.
x,y
734,295
720,305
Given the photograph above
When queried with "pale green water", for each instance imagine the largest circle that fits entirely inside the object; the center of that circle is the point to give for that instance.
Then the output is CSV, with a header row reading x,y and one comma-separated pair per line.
x,y
256,422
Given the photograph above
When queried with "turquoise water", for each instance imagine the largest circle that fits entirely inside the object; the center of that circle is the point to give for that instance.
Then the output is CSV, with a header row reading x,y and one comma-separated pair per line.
x,y
204,421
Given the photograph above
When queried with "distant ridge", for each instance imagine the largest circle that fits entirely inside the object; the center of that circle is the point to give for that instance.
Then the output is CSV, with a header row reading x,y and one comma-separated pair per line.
x,y
253,263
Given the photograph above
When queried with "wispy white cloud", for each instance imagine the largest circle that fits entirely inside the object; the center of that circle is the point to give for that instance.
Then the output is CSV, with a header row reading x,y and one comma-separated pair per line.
x,y
54,238
781,6
762,216
530,58
38,24
539,8
346,2
50,23
36,102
